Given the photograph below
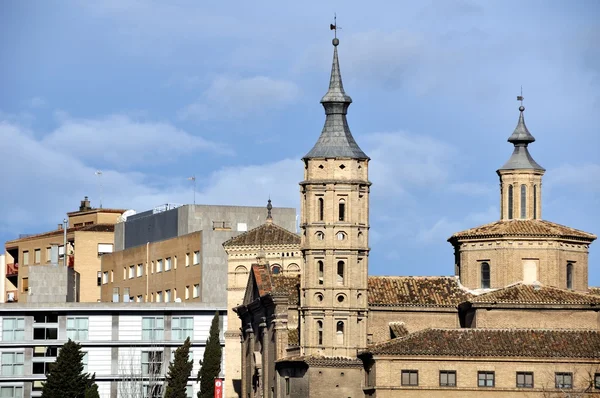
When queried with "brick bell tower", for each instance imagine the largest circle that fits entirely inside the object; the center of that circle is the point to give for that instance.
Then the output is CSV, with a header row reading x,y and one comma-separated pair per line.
x,y
335,233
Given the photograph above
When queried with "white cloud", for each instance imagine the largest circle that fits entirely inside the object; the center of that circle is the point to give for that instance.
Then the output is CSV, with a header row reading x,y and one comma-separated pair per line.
x,y
36,102
120,140
585,177
229,97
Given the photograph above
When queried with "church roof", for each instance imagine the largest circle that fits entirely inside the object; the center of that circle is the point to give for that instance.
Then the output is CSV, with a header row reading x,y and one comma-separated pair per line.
x,y
437,291
521,137
284,285
267,234
594,290
336,140
521,293
523,343
324,361
523,228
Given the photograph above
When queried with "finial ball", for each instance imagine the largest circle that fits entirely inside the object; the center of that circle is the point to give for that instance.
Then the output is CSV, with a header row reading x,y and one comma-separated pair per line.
x,y
521,108
335,41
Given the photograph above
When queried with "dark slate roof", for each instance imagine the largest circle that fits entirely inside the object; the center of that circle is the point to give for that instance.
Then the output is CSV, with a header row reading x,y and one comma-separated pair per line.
x,y
434,291
398,329
523,228
523,343
60,232
521,137
264,235
521,293
336,140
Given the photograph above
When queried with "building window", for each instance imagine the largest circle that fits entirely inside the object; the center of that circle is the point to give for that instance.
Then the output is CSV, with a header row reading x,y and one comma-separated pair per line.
x,y
182,327
321,208
569,275
11,391
40,368
153,390
341,235
37,256
159,297
523,201
563,380
105,277
597,381
168,296
196,292
26,257
510,202
140,270
48,254
485,379
151,362
187,259
116,295
77,328
339,333
287,385
41,328
319,332
104,248
153,328
320,235
320,267
139,299
485,275
196,257
168,264
187,292
24,285
524,379
99,278
342,210
12,363
159,265
131,271
534,202
410,378
447,378
275,269
340,273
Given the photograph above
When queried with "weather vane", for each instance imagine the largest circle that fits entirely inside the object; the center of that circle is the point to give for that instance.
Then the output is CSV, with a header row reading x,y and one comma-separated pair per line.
x,y
334,26
520,97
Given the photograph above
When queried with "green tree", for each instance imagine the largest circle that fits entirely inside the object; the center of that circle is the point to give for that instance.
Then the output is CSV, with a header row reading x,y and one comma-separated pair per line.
x,y
179,371
211,363
66,378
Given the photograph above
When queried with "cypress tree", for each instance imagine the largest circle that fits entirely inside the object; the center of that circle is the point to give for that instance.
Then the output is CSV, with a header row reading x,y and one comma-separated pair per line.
x,y
66,378
211,362
179,371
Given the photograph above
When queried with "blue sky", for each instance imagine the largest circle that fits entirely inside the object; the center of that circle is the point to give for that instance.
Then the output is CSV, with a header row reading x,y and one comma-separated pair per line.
x,y
154,92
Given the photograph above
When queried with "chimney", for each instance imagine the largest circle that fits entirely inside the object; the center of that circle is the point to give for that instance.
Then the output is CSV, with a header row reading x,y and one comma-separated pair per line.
x,y
85,204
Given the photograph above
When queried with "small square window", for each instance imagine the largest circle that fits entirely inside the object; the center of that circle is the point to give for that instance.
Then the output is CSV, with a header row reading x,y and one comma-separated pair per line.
x,y
447,378
524,379
410,378
597,381
485,379
563,380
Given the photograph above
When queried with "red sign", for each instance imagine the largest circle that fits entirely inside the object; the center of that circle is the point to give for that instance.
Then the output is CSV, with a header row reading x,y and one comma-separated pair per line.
x,y
218,388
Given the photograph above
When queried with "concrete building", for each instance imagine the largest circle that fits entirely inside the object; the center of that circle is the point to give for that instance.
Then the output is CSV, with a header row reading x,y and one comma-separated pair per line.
x,y
128,346
516,318
175,252
89,235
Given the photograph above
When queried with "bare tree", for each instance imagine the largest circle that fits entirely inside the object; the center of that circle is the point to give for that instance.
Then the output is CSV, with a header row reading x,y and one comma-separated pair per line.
x,y
141,372
581,385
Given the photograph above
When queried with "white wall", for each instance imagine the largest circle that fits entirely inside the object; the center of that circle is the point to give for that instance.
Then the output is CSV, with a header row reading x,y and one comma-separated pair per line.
x,y
100,327
99,360
130,327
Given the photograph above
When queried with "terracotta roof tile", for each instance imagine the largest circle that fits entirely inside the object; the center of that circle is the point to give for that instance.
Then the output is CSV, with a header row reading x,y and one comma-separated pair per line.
x,y
535,343
262,276
438,291
323,361
293,337
523,228
284,285
535,294
265,234
398,329
594,290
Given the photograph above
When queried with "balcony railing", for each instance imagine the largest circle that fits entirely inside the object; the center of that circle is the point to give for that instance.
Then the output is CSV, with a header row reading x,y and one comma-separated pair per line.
x,y
12,269
12,296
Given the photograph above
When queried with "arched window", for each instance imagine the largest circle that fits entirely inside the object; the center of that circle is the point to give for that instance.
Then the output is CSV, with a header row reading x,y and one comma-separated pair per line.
x,y
241,275
510,202
293,267
320,271
342,210
534,202
275,269
321,208
341,235
319,332
485,275
340,273
569,275
320,235
523,201
339,333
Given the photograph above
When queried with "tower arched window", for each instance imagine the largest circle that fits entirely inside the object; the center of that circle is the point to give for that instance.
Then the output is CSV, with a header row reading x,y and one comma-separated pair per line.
x,y
534,202
485,275
342,210
340,272
339,333
319,332
523,201
569,275
321,208
510,202
320,271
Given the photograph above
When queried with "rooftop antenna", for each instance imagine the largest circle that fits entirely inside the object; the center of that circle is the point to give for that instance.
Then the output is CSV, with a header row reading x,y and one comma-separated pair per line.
x,y
333,26
193,179
99,174
521,98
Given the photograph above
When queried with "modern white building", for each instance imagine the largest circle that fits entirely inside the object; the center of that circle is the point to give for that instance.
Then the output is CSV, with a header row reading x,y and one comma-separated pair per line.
x,y
128,345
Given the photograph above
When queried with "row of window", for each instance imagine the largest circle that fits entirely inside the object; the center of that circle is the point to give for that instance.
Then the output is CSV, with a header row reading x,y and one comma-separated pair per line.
x,y
341,209
103,248
485,275
340,271
166,296
523,202
13,329
339,333
447,378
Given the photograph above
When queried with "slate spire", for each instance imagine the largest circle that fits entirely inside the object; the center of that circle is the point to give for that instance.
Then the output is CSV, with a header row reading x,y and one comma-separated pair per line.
x,y
520,138
336,140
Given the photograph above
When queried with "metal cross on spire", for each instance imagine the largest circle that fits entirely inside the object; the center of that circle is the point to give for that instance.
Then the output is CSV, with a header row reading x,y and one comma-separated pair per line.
x,y
520,97
334,26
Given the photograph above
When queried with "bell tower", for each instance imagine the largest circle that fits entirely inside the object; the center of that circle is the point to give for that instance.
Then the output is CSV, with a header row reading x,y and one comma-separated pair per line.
x,y
334,199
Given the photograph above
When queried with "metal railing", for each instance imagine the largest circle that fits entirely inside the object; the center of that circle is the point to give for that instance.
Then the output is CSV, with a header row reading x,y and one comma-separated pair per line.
x,y
12,269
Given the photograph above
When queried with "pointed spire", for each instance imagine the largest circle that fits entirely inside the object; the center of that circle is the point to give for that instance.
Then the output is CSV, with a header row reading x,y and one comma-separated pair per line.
x,y
269,208
336,140
520,138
